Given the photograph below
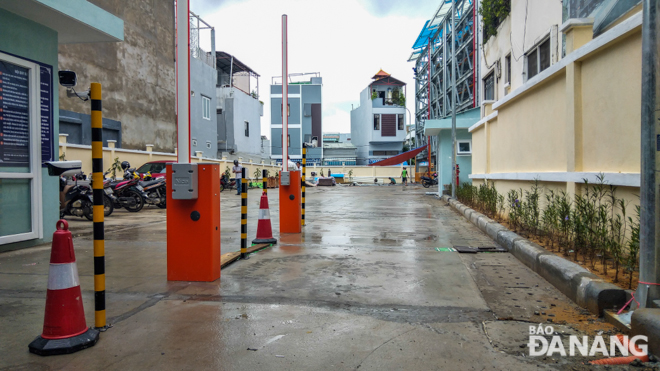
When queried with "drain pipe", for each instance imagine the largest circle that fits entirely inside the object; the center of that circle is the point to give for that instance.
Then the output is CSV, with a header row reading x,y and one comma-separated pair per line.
x,y
649,239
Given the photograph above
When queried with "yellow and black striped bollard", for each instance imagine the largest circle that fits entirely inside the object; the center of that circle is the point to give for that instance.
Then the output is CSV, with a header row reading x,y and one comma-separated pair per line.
x,y
243,215
97,186
302,177
264,180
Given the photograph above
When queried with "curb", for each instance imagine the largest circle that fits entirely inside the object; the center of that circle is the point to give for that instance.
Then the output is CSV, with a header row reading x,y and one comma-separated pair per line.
x,y
578,284
646,321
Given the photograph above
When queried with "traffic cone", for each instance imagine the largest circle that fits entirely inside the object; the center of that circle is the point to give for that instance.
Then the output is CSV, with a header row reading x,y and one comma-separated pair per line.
x,y
264,229
65,330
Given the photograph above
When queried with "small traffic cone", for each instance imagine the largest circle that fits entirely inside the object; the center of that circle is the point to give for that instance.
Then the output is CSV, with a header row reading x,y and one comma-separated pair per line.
x,y
65,330
264,229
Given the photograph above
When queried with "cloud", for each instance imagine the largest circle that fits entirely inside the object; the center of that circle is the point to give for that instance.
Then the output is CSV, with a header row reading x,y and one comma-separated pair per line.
x,y
407,8
203,7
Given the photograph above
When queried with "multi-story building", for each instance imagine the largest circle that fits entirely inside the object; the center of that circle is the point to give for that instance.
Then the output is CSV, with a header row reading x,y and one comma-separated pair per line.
x,y
378,124
203,120
239,110
305,116
137,77
338,149
434,91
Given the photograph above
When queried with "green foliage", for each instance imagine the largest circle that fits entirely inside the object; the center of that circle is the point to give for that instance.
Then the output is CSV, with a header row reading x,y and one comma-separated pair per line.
x,y
374,95
256,174
63,156
593,224
116,166
227,172
493,13
350,174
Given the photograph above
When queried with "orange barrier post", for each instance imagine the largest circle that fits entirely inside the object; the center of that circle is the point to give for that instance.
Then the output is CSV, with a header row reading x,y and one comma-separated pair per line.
x,y
290,204
65,330
193,226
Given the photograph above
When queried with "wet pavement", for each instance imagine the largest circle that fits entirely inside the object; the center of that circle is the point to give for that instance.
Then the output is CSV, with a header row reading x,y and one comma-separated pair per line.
x,y
363,287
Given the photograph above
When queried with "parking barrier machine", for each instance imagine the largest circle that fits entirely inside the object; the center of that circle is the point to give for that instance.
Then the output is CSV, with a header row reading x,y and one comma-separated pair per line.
x,y
193,222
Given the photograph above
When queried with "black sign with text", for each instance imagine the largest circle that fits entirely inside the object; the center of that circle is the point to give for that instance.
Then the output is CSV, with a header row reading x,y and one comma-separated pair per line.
x,y
14,115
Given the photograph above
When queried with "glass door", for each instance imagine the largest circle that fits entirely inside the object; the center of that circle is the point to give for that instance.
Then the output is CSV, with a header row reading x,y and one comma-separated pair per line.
x,y
20,150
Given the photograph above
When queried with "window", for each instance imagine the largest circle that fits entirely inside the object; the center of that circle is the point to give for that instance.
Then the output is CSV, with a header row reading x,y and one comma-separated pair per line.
x,y
538,59
208,144
507,66
194,142
463,147
489,87
206,108
247,129
376,122
400,122
385,153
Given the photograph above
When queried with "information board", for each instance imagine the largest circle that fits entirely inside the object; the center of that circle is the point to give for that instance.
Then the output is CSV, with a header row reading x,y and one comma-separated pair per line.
x,y
14,116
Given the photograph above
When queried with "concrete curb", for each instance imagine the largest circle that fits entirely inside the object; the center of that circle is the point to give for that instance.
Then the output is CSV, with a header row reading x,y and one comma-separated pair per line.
x,y
583,287
646,322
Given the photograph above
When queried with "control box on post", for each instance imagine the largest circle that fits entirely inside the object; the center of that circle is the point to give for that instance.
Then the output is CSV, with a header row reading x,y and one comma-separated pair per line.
x,y
285,178
184,181
290,202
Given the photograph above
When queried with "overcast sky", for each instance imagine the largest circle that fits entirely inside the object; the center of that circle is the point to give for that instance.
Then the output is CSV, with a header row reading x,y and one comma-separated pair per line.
x,y
347,41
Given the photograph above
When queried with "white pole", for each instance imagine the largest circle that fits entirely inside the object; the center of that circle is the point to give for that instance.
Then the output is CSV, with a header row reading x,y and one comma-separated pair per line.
x,y
453,99
285,96
183,80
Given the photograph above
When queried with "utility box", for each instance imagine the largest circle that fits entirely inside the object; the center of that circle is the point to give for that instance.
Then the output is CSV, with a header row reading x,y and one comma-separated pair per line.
x,y
285,178
184,181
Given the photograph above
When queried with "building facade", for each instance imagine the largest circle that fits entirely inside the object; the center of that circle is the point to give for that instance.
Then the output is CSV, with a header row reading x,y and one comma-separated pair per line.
x,y
564,102
305,117
137,76
378,125
239,110
435,91
30,33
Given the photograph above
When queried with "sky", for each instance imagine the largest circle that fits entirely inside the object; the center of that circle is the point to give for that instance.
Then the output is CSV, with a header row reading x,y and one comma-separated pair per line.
x,y
347,41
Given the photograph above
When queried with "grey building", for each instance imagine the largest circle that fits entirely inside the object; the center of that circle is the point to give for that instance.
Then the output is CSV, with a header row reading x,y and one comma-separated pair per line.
x,y
238,110
339,154
378,127
305,117
203,75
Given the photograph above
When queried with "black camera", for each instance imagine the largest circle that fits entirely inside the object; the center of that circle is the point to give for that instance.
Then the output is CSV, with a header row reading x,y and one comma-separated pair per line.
x,y
67,79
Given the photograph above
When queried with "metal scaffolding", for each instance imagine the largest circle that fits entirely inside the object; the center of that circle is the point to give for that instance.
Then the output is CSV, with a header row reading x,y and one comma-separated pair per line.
x,y
433,68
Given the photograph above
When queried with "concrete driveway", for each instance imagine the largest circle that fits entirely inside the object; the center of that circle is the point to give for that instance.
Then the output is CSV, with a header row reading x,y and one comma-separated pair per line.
x,y
363,287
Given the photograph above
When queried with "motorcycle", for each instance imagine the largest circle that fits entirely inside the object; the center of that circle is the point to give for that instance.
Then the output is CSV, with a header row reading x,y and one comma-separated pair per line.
x,y
155,190
427,182
226,183
109,198
77,200
129,192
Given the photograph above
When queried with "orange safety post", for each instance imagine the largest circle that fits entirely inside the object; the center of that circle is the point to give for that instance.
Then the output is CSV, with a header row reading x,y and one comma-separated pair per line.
x,y
291,204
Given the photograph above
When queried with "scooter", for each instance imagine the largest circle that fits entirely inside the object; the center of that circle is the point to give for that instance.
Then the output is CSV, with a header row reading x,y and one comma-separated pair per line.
x,y
427,182
129,192
76,199
155,190
226,183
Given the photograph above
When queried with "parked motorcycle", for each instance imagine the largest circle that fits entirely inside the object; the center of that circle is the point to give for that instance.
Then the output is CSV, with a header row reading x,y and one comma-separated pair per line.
x,y
155,190
226,183
109,198
77,200
427,182
129,192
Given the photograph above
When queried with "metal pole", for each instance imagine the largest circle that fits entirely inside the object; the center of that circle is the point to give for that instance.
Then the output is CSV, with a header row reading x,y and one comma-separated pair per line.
x,y
97,185
264,180
302,177
285,96
183,80
243,215
649,238
453,96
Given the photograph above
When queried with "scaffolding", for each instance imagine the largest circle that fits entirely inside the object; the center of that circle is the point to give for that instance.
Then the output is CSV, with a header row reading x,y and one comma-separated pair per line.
x,y
433,66
196,25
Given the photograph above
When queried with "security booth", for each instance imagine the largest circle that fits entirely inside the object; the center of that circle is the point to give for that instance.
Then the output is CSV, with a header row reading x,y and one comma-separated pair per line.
x,y
30,32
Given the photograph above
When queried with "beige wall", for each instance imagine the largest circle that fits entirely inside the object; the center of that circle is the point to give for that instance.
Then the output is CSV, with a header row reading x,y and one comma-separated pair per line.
x,y
611,108
578,118
137,75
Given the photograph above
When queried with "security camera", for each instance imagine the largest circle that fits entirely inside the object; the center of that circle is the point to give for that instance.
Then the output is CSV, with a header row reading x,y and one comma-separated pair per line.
x,y
68,79
64,168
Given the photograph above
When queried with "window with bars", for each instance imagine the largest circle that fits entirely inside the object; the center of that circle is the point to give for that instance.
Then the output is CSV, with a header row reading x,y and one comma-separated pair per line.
x,y
489,87
376,122
400,122
538,59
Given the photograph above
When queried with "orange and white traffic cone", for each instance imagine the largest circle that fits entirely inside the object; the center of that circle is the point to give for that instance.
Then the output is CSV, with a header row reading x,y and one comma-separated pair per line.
x,y
65,330
264,229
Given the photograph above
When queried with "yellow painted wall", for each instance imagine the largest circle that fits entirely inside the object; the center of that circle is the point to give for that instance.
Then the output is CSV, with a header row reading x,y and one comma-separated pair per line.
x,y
611,96
529,133
479,150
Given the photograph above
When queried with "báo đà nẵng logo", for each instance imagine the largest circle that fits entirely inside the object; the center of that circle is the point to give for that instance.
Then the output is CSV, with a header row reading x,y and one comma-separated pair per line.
x,y
544,342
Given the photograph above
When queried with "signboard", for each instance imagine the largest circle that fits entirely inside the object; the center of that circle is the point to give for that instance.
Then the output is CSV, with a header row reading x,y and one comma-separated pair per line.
x,y
310,161
15,116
